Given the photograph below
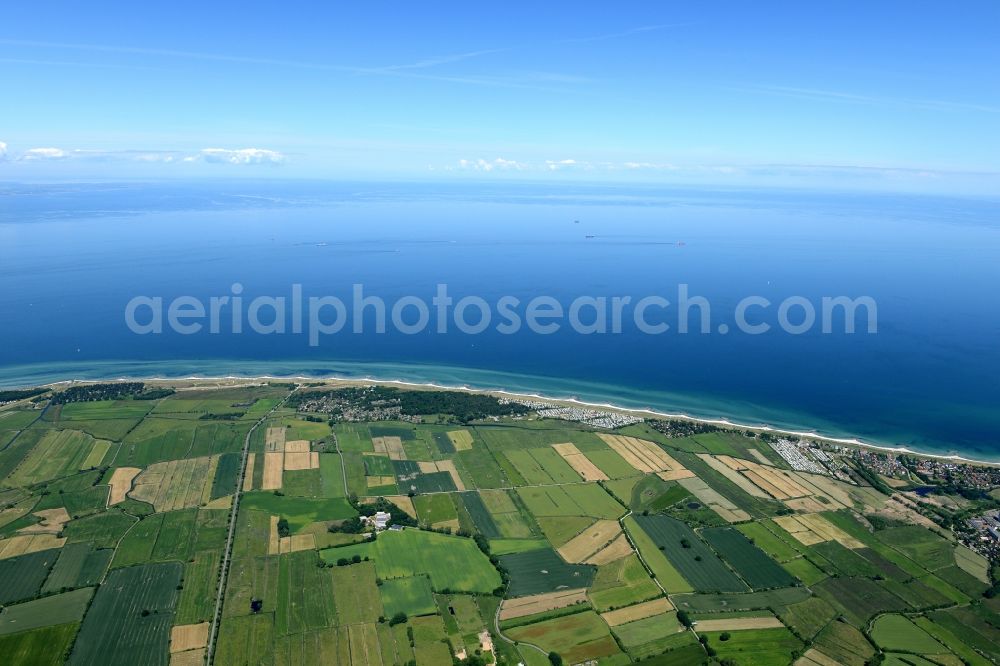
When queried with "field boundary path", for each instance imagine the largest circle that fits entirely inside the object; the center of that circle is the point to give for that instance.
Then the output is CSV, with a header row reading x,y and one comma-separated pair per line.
x,y
234,511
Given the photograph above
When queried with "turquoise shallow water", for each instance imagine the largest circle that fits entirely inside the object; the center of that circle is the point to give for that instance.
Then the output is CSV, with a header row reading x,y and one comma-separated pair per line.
x,y
72,256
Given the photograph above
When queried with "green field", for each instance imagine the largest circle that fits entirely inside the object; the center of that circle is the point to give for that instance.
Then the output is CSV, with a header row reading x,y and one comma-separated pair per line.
x,y
773,540
130,618
578,637
622,583
305,596
355,593
751,563
695,561
584,499
65,608
480,514
920,545
60,452
897,633
378,466
648,637
807,617
431,482
78,565
667,575
127,573
412,596
299,511
755,647
197,599
23,575
741,601
858,598
844,644
226,473
39,647
453,563
433,509
542,570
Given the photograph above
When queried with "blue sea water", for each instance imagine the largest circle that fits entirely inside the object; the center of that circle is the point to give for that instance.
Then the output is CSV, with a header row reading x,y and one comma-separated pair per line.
x,y
73,255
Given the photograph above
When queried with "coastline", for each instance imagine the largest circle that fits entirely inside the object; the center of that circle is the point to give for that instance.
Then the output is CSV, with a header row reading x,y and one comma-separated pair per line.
x,y
645,412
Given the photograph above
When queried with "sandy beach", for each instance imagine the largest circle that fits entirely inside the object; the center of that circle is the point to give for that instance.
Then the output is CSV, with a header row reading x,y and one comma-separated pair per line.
x,y
194,382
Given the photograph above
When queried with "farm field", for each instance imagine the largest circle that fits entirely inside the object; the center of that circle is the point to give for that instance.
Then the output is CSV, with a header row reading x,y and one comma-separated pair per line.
x,y
130,617
542,570
452,563
751,563
591,543
695,561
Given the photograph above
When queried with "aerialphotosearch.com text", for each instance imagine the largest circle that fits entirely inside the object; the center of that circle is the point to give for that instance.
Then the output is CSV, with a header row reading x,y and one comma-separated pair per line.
x,y
364,313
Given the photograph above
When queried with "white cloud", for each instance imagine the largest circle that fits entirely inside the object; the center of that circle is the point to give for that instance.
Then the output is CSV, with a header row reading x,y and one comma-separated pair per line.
x,y
44,154
210,155
499,164
555,165
242,156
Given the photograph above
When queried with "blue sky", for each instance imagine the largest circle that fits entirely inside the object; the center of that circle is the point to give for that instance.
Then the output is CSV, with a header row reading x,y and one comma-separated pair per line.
x,y
893,95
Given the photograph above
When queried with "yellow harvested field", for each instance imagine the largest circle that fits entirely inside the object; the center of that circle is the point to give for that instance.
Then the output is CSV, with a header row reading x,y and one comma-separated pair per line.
x,y
676,474
814,657
188,658
376,481
761,458
616,550
273,540
273,464
591,540
778,483
836,491
739,624
641,454
539,603
587,470
28,543
730,472
52,522
713,500
177,484
275,439
279,545
812,528
224,502
443,466
121,483
807,505
460,439
733,463
831,532
298,456
390,446
248,479
188,637
453,524
297,542
297,461
404,503
449,466
637,612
